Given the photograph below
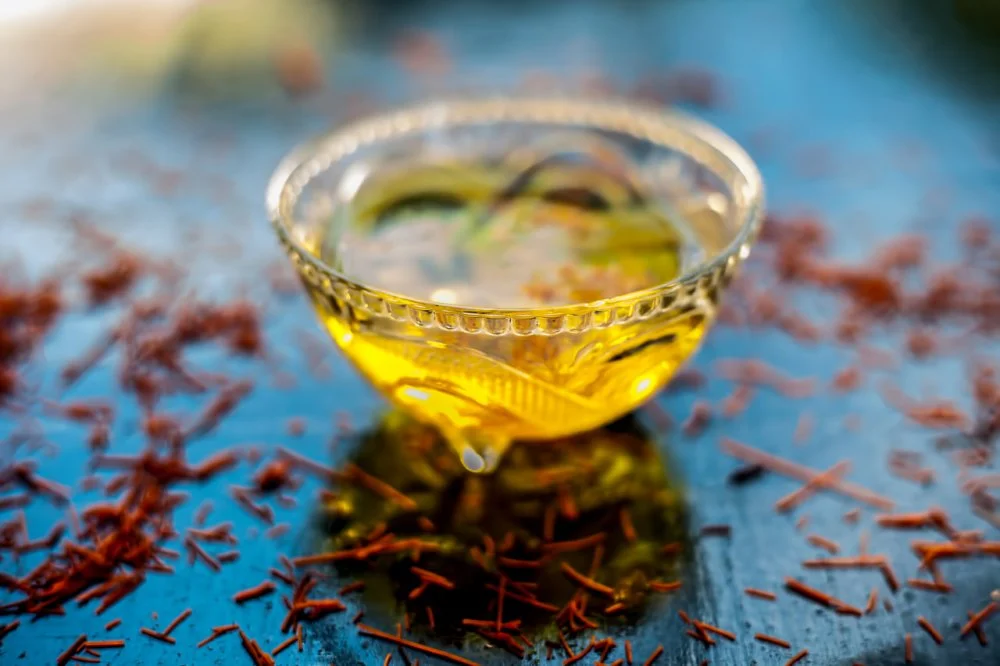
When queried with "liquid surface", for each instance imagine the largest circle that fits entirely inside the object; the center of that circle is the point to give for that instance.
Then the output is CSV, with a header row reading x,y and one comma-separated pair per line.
x,y
459,233
491,237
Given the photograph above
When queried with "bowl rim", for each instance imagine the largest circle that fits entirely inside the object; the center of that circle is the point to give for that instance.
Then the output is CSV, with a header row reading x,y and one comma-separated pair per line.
x,y
311,158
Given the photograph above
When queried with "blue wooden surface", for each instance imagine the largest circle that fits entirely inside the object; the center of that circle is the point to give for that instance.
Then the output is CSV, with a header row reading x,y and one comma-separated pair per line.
x,y
807,76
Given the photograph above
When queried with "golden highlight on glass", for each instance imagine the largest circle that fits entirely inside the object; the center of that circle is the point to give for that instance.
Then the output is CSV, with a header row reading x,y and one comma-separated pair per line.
x,y
517,268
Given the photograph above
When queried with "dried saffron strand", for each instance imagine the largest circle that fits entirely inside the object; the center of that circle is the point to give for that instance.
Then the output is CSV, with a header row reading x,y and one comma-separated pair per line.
x,y
978,618
822,542
872,602
112,624
764,638
113,643
351,587
802,473
255,592
818,482
379,487
371,632
628,652
704,626
929,585
760,594
818,596
658,586
283,645
700,636
628,529
908,648
185,614
930,629
980,634
653,657
74,647
433,578
797,658
157,635
584,581
559,547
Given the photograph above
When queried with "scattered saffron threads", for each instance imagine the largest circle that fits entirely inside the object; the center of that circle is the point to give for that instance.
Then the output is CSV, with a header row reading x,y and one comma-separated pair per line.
x,y
426,524
802,473
357,475
653,657
716,530
185,614
298,637
277,531
818,482
432,578
74,647
824,543
8,628
760,594
978,618
764,638
705,627
628,529
818,596
797,658
672,548
803,428
157,635
929,628
371,632
628,652
283,645
199,552
216,632
852,516
201,514
908,648
558,547
430,617
929,585
847,379
585,582
699,418
701,636
736,402
657,586
352,587
357,617
388,659
255,592
114,643
872,602
111,625
980,634
282,576
228,556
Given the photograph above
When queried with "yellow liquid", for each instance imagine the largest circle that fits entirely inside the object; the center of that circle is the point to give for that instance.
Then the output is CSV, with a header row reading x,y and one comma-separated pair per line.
x,y
437,233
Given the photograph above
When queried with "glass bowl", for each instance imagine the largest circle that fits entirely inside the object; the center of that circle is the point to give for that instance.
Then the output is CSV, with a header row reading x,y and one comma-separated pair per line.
x,y
480,365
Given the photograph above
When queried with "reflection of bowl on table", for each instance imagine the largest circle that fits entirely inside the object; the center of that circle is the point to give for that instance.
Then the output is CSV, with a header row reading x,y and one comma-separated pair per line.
x,y
478,363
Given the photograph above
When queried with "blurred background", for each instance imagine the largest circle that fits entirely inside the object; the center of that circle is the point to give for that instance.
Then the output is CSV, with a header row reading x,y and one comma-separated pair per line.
x,y
160,122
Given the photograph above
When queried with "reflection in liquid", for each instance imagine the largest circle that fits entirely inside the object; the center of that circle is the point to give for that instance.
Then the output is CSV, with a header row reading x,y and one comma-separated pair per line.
x,y
599,502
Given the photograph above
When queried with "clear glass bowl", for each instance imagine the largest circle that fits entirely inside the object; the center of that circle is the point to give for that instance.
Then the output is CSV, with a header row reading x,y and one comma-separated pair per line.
x,y
486,373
